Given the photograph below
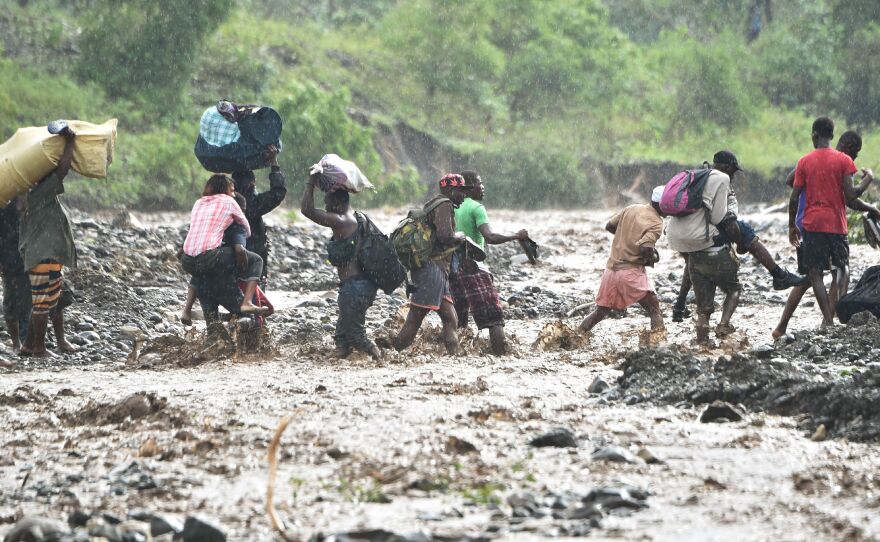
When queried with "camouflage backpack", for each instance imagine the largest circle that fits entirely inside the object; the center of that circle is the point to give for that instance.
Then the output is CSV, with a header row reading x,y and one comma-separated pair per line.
x,y
414,237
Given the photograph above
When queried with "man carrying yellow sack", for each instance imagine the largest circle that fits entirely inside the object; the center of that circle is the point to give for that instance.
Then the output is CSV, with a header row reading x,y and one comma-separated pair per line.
x,y
46,245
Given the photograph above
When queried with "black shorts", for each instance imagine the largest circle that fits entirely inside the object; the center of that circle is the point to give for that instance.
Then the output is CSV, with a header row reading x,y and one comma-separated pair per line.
x,y
822,250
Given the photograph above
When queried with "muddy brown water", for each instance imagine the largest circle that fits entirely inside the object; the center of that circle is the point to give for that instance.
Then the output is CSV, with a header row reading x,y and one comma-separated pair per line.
x,y
365,431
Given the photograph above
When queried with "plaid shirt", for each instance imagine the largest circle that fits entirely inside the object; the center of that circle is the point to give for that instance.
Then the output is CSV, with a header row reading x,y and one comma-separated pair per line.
x,y
211,215
216,130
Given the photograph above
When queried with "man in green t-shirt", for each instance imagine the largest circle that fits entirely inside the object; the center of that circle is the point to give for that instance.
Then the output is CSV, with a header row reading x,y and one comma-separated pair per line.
x,y
473,287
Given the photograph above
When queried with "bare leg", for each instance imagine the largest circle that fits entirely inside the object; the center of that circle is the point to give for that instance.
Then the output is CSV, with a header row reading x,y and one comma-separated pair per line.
x,y
598,314
58,327
410,328
14,331
821,293
791,304
760,252
680,307
702,327
186,313
730,304
36,343
450,325
724,328
652,305
498,341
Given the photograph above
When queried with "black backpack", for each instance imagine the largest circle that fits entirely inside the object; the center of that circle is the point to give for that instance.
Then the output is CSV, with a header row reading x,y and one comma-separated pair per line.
x,y
377,257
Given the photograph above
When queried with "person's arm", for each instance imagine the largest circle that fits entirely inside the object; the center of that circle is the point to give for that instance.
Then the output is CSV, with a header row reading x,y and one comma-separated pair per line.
x,y
862,206
308,210
854,192
482,221
794,234
442,219
790,179
265,202
611,226
718,201
238,215
67,156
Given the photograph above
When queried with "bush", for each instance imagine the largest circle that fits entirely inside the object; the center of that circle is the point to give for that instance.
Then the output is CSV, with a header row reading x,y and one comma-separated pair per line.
x,y
145,50
700,82
153,171
400,189
793,66
316,123
528,178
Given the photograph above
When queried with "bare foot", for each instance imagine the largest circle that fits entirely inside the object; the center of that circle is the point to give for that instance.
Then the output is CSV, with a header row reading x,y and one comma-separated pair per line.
x,y
778,332
44,354
253,309
723,330
375,353
66,347
186,318
7,363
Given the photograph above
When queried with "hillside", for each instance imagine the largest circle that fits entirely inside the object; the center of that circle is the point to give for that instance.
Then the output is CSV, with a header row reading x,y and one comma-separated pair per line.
x,y
557,103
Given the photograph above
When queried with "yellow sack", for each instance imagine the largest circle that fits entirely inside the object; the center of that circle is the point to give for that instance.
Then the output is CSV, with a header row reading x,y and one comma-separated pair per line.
x,y
32,153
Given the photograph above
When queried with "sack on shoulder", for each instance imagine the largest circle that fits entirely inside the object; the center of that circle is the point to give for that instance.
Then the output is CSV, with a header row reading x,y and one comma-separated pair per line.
x,y
414,236
377,258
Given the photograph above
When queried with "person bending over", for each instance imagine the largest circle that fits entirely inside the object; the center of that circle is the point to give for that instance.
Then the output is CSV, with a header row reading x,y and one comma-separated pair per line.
x,y
636,230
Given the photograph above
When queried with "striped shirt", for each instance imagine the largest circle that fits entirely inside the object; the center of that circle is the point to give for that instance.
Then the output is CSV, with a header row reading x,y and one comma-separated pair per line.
x,y
211,215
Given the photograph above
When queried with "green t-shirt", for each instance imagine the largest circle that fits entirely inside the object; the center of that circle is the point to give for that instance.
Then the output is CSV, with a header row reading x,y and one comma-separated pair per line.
x,y
469,216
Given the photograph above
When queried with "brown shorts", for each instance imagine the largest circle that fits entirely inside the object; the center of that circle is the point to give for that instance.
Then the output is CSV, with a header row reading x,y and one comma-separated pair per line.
x,y
711,270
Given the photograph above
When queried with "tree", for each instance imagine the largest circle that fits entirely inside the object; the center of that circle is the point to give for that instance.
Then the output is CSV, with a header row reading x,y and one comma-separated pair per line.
x,y
560,50
145,50
444,45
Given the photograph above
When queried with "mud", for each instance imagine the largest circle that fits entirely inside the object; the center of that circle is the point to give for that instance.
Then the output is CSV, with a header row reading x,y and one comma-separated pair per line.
x,y
168,422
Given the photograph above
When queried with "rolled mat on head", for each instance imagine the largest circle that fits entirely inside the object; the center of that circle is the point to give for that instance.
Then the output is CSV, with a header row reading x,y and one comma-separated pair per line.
x,y
32,153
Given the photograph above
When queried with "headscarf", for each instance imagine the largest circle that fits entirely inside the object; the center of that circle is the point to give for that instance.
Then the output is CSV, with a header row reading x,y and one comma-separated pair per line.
x,y
452,180
657,194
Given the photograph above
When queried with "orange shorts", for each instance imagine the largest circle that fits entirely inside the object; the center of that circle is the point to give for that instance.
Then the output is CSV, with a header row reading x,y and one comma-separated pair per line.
x,y
620,289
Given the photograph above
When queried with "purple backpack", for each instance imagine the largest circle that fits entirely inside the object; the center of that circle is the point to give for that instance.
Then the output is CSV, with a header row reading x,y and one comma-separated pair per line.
x,y
683,194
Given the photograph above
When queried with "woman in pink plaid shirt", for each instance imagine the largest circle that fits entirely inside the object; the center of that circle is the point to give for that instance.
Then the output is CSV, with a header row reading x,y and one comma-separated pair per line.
x,y
203,252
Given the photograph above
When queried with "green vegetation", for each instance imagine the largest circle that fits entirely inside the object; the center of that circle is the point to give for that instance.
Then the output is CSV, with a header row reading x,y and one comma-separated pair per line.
x,y
526,92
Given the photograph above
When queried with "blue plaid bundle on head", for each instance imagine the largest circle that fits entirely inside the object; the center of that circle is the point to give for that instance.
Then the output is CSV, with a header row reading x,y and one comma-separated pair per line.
x,y
216,130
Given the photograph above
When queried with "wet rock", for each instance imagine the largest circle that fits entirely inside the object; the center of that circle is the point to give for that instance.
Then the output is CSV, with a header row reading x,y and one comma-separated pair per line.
x,y
559,438
78,518
611,498
614,454
126,220
720,412
35,529
458,446
598,385
820,434
89,336
646,455
764,351
200,530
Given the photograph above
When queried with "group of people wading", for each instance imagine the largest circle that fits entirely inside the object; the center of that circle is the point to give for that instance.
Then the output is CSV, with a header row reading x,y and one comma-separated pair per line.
x,y
710,237
227,247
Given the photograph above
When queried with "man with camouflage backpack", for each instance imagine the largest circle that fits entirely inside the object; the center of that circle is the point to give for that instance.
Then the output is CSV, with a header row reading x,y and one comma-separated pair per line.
x,y
431,275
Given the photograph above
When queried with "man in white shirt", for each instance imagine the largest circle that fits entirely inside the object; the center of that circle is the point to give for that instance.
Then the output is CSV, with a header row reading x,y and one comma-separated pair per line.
x,y
710,266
